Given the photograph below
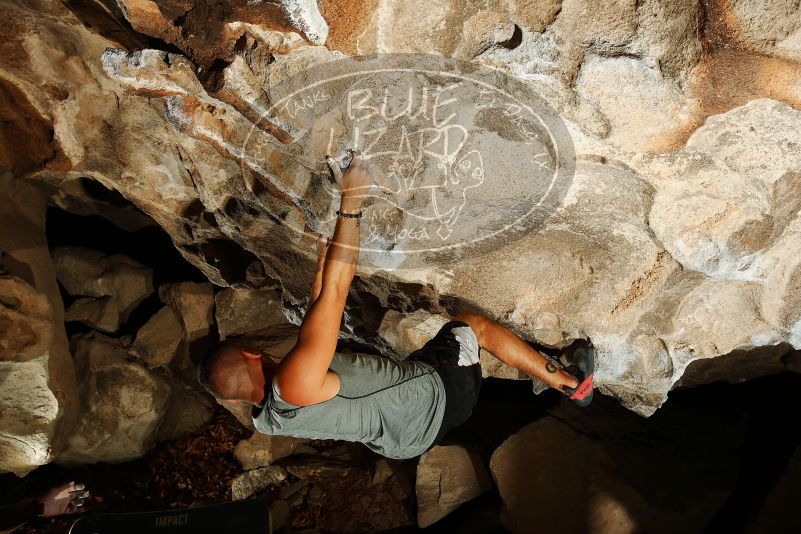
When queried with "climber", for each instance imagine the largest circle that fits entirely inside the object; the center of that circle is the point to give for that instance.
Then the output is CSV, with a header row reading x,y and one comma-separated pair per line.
x,y
397,409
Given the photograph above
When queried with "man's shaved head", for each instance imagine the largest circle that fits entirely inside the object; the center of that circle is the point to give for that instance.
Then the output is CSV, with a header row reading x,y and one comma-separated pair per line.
x,y
224,373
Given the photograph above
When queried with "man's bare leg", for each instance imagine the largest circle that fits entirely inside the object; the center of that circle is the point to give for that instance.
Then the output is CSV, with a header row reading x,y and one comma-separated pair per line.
x,y
515,352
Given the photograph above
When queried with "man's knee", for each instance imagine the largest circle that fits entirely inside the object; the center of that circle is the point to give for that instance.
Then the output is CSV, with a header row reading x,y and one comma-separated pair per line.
x,y
476,322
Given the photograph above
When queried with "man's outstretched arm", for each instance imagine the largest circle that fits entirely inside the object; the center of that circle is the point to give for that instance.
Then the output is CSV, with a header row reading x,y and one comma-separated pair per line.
x,y
317,283
303,377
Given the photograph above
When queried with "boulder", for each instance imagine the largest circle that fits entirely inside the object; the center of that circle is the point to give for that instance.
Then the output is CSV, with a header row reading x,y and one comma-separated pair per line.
x,y
629,244
85,272
28,406
39,400
192,303
537,472
160,340
734,210
245,311
122,404
447,476
261,450
101,314
647,105
29,414
255,481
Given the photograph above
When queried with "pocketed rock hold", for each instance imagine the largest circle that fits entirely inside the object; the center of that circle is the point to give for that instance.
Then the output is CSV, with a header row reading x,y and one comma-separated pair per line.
x,y
160,339
447,476
192,303
241,311
261,450
85,272
101,314
255,481
122,404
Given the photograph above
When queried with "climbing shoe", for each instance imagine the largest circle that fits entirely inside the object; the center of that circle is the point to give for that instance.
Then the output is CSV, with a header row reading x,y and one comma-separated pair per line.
x,y
583,368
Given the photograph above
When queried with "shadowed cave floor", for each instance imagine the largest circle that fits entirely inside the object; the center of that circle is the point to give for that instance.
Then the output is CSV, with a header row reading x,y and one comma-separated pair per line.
x,y
734,444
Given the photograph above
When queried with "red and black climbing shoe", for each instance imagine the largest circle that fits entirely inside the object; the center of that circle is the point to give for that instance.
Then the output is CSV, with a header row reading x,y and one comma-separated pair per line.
x,y
583,368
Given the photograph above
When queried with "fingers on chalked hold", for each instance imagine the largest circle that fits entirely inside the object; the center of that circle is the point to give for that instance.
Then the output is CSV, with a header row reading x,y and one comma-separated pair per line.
x,y
356,159
333,164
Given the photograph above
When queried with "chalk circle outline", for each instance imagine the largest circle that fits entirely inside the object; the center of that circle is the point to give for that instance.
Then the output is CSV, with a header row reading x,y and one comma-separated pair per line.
x,y
547,118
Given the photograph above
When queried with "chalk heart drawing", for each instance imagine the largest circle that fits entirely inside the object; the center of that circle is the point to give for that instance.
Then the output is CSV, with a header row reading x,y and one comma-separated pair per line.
x,y
461,156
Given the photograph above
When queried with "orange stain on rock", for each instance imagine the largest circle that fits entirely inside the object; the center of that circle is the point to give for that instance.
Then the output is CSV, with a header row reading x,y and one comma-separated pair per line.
x,y
346,22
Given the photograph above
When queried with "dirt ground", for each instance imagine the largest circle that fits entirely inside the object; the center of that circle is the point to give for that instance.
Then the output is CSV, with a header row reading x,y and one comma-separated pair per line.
x,y
332,490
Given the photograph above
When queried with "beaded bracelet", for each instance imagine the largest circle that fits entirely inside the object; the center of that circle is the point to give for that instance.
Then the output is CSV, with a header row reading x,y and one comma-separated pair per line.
x,y
357,215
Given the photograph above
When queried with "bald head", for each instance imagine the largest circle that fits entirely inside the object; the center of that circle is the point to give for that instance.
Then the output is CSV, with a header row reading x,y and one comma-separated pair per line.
x,y
225,372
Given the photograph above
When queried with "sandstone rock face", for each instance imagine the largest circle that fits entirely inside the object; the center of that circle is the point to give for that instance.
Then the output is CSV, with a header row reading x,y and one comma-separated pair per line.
x,y
29,408
39,400
771,27
30,411
91,273
245,311
122,404
672,230
447,476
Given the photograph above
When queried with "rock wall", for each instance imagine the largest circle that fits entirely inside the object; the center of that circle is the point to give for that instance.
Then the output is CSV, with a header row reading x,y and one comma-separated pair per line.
x,y
38,390
675,247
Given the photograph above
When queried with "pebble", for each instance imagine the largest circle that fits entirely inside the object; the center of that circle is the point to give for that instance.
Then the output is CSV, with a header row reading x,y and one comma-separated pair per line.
x,y
315,492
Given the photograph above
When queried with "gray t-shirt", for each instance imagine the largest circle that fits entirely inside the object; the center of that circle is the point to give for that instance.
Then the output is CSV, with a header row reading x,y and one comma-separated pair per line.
x,y
395,408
